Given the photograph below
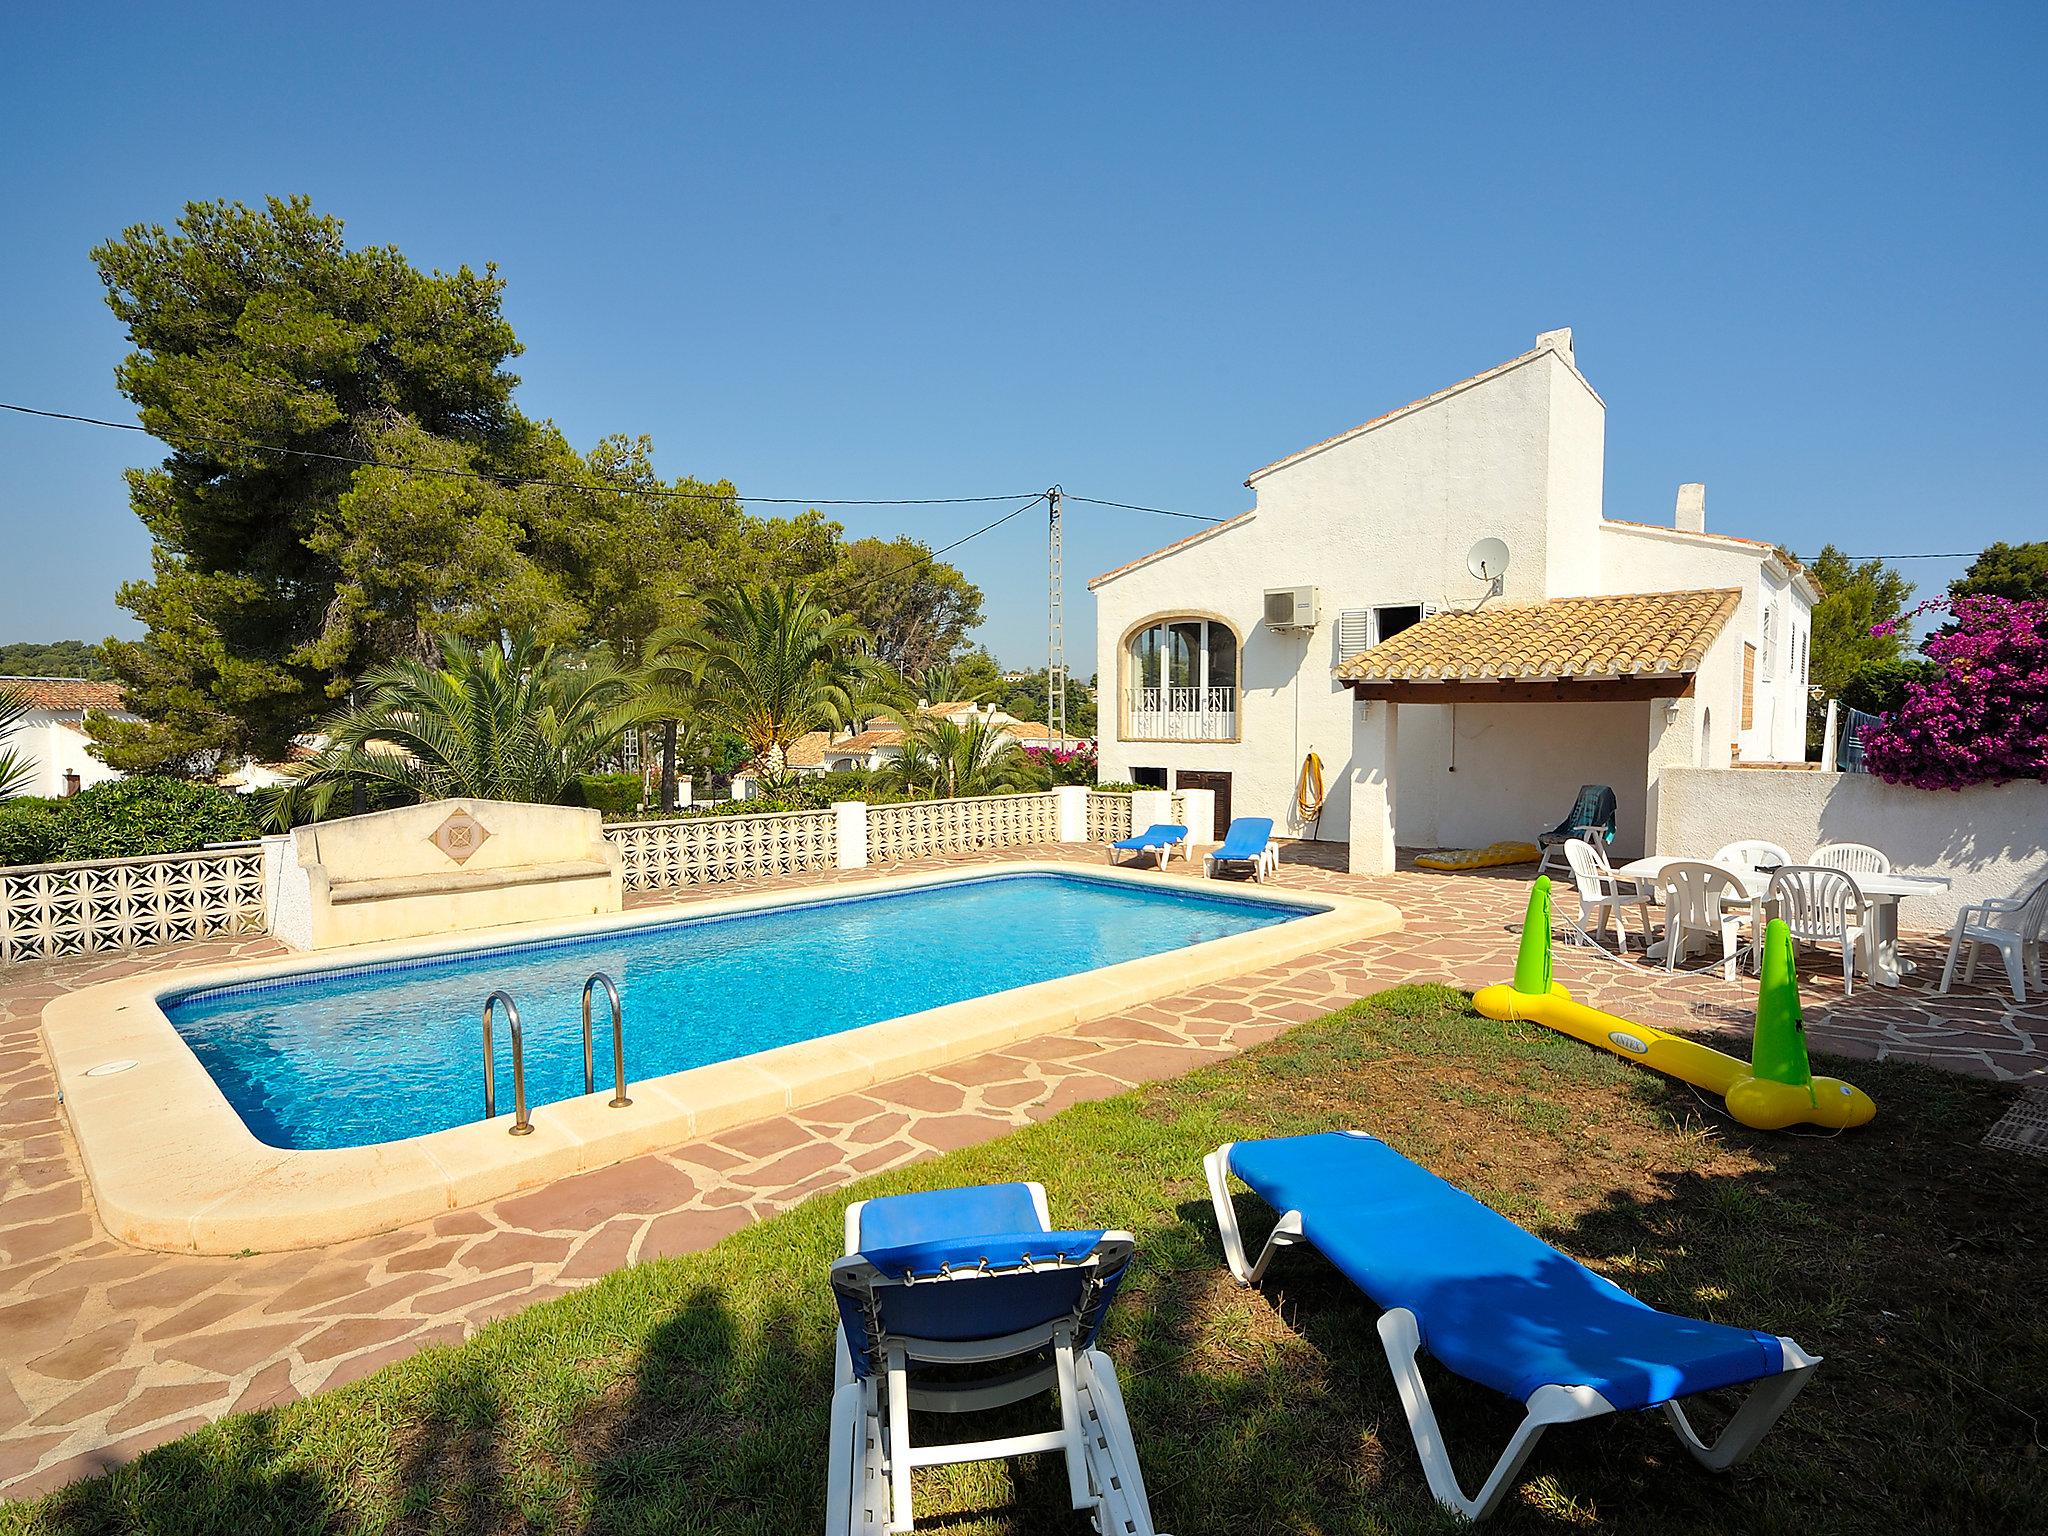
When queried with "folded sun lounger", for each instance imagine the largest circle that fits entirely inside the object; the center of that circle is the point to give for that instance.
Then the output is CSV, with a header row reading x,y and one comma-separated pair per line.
x,y
1494,1304
975,1278
1159,840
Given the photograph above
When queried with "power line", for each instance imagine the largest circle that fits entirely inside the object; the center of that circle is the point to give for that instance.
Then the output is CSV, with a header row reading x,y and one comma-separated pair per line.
x,y
509,481
931,555
1131,506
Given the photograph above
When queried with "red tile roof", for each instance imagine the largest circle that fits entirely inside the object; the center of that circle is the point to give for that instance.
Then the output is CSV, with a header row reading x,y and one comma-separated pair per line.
x,y
65,692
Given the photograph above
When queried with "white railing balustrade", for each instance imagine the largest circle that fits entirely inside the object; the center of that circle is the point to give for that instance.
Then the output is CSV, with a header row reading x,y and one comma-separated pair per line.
x,y
662,855
917,829
1180,714
1109,816
47,910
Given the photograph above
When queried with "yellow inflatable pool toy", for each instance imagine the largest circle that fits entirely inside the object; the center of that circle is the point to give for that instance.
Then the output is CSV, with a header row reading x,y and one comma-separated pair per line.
x,y
1479,858
1776,1088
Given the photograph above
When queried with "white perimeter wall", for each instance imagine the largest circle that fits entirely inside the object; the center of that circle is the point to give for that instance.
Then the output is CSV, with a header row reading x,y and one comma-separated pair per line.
x,y
1989,841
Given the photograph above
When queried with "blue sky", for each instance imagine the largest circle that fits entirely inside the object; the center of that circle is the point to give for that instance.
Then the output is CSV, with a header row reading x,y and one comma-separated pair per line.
x,y
1139,250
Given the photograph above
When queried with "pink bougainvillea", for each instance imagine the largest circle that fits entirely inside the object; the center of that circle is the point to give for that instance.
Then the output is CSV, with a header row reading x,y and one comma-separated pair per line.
x,y
1984,720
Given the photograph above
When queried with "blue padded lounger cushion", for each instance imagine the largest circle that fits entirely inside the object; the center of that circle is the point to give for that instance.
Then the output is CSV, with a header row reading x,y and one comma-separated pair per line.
x,y
1495,1303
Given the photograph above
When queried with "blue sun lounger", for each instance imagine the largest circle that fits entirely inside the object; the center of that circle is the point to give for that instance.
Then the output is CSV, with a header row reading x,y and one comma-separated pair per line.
x,y
1249,841
1494,1304
1158,840
974,1278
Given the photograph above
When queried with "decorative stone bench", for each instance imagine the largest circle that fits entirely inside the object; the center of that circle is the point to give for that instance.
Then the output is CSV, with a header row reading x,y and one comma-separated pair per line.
x,y
442,867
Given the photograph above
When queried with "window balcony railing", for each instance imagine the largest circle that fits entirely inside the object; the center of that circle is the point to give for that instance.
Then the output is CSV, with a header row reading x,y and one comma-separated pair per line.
x,y
1180,714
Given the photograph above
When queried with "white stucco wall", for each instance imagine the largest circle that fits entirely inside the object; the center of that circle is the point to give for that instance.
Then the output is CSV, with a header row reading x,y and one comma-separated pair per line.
x,y
55,749
1386,515
1988,841
1638,559
1382,518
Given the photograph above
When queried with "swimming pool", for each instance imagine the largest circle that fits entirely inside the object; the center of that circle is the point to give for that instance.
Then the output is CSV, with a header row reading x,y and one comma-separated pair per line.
x,y
353,1056
318,1098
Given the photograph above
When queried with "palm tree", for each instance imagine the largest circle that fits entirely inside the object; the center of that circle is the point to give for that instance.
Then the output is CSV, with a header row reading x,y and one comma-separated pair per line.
x,y
768,663
520,722
946,760
16,768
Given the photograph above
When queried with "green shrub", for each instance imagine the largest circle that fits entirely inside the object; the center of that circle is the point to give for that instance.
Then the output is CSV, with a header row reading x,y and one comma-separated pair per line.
x,y
616,794
31,830
1117,787
127,818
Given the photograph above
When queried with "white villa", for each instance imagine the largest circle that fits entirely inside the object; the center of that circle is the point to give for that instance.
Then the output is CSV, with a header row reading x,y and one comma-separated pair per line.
x,y
52,733
1341,616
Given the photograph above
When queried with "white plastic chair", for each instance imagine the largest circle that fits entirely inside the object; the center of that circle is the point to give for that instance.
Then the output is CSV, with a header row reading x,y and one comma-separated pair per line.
x,y
2015,926
1705,899
1821,905
1851,858
1752,853
1602,894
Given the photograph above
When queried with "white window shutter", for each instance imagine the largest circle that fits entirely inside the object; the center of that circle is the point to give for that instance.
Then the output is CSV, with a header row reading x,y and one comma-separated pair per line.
x,y
1354,631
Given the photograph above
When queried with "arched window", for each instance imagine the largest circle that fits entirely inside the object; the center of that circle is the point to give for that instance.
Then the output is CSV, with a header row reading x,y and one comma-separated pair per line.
x,y
1180,681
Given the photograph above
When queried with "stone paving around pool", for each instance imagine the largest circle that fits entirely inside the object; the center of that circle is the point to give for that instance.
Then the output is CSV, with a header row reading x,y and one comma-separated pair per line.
x,y
106,1350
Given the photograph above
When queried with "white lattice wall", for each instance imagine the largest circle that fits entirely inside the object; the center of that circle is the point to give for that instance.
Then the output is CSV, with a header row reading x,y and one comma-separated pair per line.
x,y
78,909
917,829
1109,816
661,855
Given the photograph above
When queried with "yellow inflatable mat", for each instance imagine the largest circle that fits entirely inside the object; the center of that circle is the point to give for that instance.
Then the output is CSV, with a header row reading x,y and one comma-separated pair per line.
x,y
1479,858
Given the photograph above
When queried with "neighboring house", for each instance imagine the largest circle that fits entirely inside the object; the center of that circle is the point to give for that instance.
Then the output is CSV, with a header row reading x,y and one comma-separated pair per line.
x,y
876,746
1338,617
52,734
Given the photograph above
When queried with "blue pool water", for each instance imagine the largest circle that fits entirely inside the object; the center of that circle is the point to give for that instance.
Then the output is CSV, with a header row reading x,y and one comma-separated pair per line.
x,y
354,1056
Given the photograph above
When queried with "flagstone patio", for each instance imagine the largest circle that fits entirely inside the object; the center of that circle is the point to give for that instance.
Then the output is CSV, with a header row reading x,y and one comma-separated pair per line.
x,y
106,1350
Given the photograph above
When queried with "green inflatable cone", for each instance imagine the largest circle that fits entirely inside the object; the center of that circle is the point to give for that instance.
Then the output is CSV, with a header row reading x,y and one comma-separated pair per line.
x,y
1532,960
1778,1053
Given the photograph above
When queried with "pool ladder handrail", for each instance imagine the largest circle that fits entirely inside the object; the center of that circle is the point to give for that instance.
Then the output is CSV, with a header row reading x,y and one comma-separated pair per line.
x,y
522,1125
619,1099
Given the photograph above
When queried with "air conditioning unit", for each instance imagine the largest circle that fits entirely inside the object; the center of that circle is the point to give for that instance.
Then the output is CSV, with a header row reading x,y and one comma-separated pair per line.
x,y
1291,607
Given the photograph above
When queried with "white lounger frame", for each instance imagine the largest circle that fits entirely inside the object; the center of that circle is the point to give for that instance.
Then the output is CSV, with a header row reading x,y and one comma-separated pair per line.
x,y
872,1455
1401,1337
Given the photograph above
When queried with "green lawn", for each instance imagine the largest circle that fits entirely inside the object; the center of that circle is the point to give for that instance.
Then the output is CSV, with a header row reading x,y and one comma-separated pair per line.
x,y
690,1394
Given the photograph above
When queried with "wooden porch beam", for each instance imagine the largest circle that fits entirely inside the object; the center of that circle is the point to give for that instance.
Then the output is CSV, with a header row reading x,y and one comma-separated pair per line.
x,y
1606,690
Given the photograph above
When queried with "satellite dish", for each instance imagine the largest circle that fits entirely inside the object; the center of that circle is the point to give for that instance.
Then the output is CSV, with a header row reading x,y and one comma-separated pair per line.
x,y
1488,560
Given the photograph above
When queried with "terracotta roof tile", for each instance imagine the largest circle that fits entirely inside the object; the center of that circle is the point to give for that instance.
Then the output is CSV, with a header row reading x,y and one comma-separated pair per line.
x,y
65,692
1622,635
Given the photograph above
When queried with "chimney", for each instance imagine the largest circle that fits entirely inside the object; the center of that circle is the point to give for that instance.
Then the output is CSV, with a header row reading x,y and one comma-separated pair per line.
x,y
1691,516
1559,341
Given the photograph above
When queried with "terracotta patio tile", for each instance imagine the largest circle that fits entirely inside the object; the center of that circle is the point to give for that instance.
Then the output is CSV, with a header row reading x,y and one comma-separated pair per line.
x,y
691,1231
266,1389
925,1094
86,1354
764,1138
235,1350
794,1166
641,1187
96,1396
603,1251
153,1403
352,1334
456,1298
508,1249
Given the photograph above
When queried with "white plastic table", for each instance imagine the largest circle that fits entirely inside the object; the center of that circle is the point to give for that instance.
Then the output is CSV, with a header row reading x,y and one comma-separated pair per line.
x,y
1880,957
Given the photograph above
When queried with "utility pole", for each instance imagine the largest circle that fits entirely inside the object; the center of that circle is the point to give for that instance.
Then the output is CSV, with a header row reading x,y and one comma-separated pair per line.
x,y
1055,629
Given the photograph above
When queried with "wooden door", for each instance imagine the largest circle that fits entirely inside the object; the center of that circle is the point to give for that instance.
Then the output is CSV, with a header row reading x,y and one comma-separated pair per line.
x,y
1219,783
